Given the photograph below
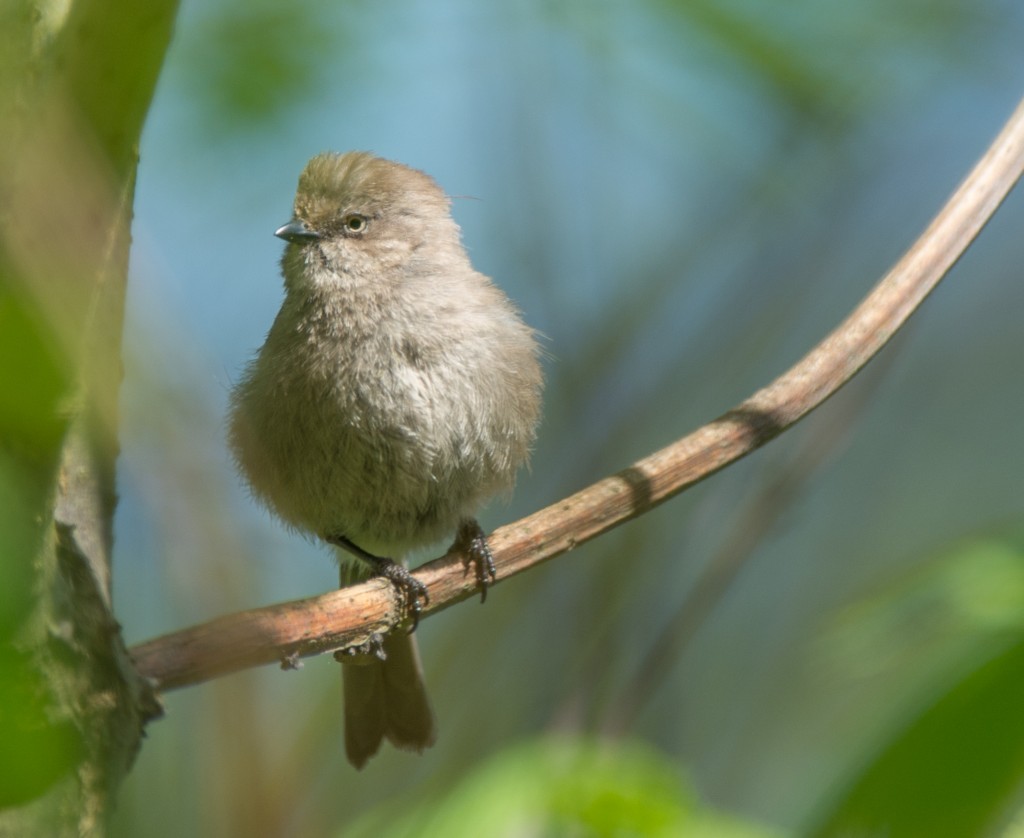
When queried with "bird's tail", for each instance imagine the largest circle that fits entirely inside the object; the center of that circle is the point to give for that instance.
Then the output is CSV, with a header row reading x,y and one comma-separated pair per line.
x,y
386,699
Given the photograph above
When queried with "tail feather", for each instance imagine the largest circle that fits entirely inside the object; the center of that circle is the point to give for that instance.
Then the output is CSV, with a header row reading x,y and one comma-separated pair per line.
x,y
387,699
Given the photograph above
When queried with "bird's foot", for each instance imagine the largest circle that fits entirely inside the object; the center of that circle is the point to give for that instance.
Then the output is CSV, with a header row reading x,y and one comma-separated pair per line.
x,y
413,592
372,648
472,540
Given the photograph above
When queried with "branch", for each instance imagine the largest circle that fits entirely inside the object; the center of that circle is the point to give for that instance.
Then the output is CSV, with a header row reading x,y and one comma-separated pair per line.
x,y
348,616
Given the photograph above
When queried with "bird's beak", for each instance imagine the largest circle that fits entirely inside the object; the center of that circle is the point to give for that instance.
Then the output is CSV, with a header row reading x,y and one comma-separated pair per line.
x,y
296,231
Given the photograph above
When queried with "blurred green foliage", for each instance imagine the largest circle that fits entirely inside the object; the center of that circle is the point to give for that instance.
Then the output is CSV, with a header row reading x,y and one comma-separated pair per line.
x,y
563,786
35,751
953,761
36,378
247,63
78,85
957,769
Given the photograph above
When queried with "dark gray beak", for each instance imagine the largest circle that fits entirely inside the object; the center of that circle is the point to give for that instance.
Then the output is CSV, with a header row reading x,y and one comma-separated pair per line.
x,y
296,231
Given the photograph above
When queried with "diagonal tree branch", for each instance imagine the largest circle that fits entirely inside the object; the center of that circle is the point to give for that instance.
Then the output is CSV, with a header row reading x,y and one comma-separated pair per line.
x,y
341,618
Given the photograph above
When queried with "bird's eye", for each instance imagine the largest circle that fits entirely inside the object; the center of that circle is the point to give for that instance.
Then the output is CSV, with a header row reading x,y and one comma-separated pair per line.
x,y
354,223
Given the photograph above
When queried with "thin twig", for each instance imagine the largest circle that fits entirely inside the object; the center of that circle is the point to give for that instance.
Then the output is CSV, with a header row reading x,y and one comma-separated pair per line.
x,y
347,617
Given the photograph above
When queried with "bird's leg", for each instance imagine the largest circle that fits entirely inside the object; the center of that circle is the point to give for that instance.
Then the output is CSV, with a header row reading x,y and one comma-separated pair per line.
x,y
472,540
408,585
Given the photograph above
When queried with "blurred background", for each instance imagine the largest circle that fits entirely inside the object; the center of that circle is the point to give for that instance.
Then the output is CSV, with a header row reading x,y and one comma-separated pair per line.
x,y
683,197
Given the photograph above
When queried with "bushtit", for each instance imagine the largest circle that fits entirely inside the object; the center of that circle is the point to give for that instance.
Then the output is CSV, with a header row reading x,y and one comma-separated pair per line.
x,y
397,391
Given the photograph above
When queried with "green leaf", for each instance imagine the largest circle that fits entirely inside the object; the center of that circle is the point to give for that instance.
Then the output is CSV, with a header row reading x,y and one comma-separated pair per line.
x,y
954,770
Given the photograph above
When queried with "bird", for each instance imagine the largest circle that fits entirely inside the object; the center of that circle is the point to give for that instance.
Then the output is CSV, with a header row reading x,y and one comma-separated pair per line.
x,y
397,391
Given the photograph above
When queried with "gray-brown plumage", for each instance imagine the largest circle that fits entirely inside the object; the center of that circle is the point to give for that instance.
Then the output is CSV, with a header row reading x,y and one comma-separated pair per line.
x,y
397,391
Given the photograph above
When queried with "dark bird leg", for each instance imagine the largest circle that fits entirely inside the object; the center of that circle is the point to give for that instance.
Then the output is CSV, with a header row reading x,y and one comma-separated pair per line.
x,y
408,585
472,540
